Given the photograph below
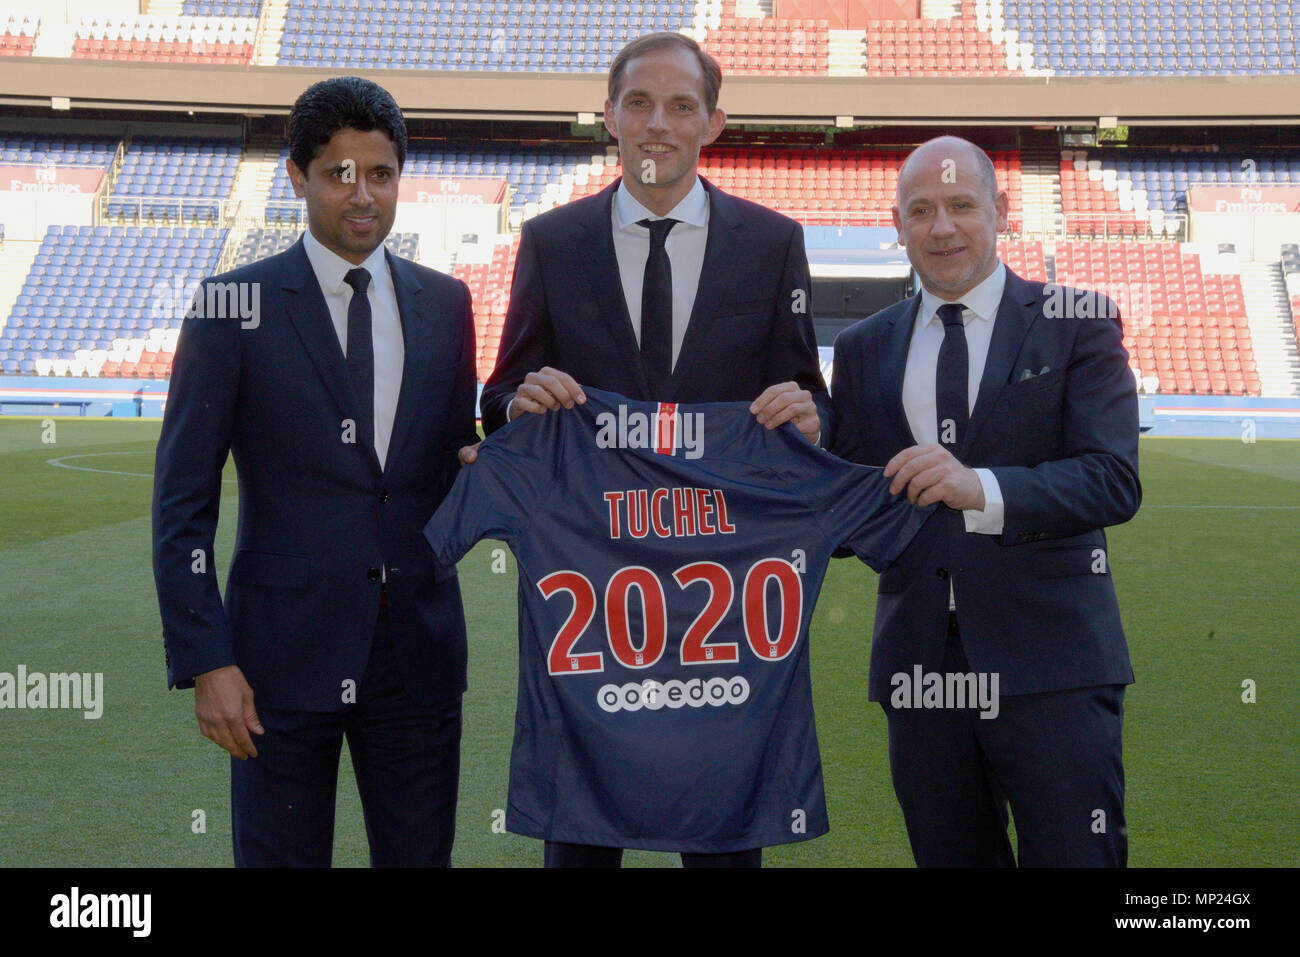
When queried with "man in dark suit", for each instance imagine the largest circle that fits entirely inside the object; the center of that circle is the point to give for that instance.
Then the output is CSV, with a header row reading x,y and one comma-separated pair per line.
x,y
661,287
733,322
344,394
1013,405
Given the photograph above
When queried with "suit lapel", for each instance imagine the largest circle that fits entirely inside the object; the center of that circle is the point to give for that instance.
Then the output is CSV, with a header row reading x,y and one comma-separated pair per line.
x,y
310,317
713,288
894,346
1016,313
417,348
600,267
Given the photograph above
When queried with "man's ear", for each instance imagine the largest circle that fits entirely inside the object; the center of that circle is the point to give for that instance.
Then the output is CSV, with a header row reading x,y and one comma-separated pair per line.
x,y
610,125
297,177
717,122
898,224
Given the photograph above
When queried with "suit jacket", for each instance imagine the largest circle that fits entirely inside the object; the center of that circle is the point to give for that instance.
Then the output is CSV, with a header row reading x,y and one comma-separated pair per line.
x,y
567,310
318,518
1036,604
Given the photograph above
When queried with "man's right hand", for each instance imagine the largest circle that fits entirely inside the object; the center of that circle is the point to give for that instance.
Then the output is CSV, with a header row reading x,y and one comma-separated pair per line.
x,y
223,702
545,390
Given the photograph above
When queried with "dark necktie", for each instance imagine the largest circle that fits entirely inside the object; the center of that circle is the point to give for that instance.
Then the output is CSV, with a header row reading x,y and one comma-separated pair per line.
x,y
657,308
361,353
951,379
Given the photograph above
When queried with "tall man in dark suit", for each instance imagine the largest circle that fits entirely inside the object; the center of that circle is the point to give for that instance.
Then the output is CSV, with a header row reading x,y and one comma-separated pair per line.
x,y
1012,404
661,287
344,395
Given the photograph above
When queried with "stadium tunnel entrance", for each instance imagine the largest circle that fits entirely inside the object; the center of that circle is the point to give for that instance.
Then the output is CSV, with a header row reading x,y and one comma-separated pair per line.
x,y
856,271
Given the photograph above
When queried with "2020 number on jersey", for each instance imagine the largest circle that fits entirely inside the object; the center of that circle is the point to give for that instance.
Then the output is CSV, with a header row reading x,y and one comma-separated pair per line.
x,y
695,647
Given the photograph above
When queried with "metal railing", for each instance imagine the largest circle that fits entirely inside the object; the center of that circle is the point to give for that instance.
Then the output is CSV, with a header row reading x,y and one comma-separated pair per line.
x,y
1171,227
161,210
107,183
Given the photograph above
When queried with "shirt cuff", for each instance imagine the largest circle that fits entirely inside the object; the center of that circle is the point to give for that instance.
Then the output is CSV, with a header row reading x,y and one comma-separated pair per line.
x,y
987,521
510,407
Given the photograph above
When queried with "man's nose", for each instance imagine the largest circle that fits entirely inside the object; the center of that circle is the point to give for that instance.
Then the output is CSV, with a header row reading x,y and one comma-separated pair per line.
x,y
943,223
658,117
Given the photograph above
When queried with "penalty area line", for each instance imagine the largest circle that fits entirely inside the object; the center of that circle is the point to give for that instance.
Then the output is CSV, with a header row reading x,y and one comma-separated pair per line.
x,y
62,463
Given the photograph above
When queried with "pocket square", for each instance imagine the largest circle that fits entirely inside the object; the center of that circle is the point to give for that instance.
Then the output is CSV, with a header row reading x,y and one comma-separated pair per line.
x,y
1030,373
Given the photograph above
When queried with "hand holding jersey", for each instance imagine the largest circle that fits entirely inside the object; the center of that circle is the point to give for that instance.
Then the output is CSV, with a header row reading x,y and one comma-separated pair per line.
x,y
549,389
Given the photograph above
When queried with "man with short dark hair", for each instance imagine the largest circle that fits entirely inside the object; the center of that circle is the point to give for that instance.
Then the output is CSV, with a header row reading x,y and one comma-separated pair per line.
x,y
344,396
1021,420
660,287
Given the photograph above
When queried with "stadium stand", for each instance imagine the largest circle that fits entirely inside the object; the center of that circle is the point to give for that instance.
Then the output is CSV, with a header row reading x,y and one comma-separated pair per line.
x,y
1025,258
832,187
765,46
1291,271
18,29
959,46
185,39
40,149
509,35
1184,325
99,299
250,9
512,35
170,179
961,37
489,285
1136,192
1141,38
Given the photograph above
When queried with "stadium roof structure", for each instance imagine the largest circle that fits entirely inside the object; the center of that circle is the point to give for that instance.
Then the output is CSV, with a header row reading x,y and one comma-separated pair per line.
x,y
579,97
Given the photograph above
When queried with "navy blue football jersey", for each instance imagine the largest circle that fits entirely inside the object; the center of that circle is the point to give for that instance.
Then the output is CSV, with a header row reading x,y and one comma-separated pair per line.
x,y
669,560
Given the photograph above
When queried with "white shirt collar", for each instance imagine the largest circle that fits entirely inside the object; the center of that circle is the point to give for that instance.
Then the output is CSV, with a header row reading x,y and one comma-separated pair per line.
x,y
331,268
982,301
693,209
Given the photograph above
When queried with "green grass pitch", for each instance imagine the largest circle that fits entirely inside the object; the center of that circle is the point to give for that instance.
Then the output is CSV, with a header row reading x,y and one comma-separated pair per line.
x,y
1207,576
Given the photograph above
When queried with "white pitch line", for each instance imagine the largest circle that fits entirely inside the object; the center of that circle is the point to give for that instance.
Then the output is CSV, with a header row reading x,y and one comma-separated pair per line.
x,y
61,461
1283,507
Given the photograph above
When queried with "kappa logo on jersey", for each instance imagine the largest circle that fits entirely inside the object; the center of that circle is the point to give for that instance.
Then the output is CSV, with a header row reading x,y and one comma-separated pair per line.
x,y
653,695
665,431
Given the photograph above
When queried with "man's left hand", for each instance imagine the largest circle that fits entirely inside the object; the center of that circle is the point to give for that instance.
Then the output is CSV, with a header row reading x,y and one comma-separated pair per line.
x,y
786,402
931,474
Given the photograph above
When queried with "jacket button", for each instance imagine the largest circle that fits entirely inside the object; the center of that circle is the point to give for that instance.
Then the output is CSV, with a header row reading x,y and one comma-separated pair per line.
x,y
941,572
372,574
383,497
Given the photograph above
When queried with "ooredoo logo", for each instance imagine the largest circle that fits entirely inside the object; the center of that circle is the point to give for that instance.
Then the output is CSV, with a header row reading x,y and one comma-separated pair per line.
x,y
654,695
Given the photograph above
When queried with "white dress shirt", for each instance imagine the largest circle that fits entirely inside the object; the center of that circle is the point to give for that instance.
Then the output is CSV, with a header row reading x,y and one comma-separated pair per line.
x,y
684,245
385,326
919,402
